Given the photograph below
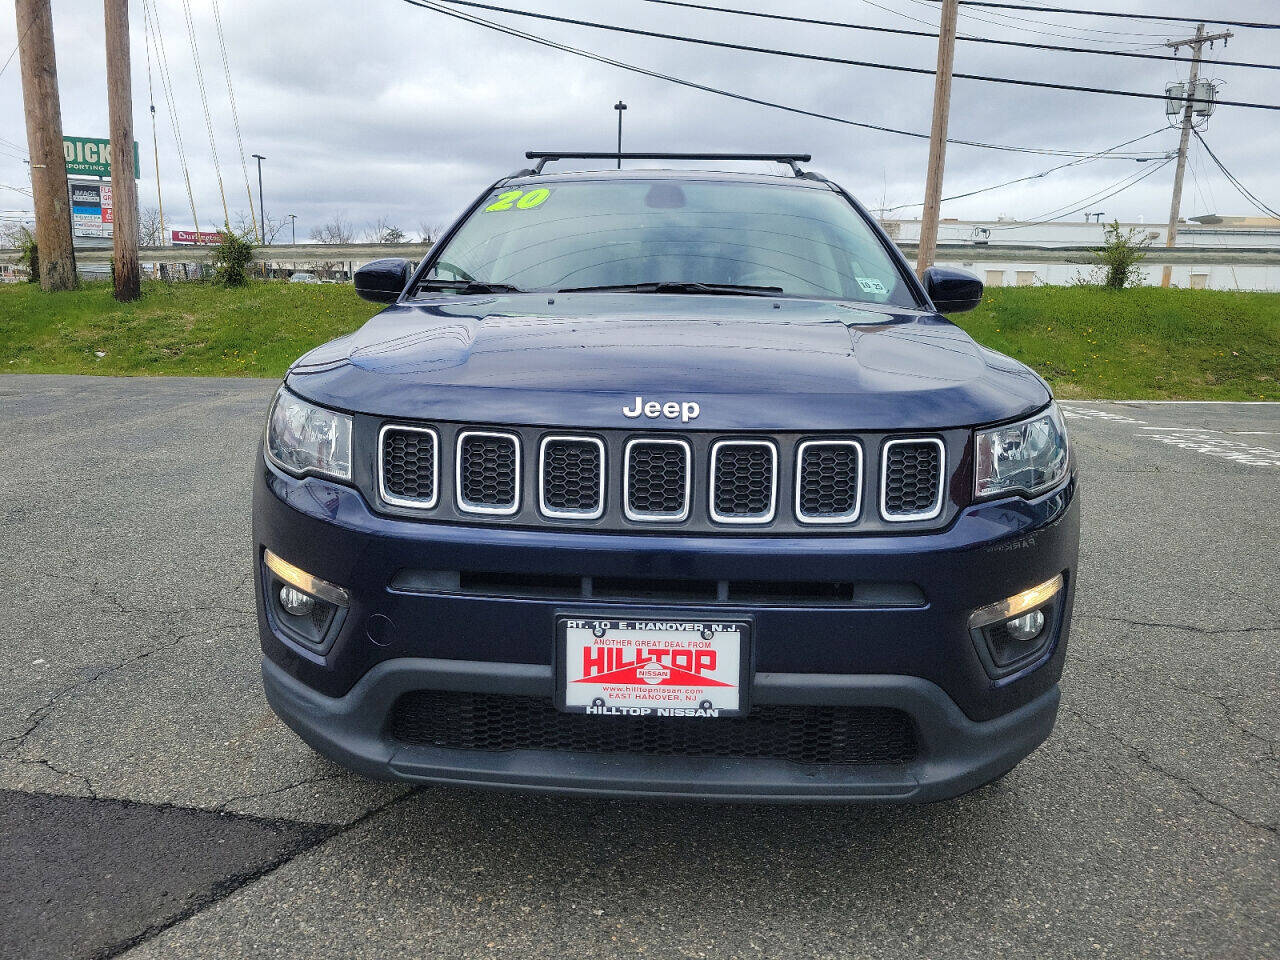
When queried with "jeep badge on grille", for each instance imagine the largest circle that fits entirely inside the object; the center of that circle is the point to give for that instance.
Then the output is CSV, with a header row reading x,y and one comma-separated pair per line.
x,y
684,410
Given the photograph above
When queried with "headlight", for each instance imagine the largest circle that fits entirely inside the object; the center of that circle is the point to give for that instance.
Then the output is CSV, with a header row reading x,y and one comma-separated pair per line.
x,y
302,438
1024,457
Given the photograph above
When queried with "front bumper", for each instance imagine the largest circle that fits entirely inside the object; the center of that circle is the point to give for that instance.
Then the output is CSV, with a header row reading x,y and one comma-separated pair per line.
x,y
921,660
956,754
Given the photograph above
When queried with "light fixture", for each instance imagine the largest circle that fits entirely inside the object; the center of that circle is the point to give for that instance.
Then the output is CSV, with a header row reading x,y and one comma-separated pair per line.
x,y
305,582
295,602
1018,604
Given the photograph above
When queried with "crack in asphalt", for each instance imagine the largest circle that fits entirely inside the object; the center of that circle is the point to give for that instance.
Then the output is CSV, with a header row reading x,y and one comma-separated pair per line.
x,y
1233,720
1205,631
42,762
225,888
1177,778
13,745
316,778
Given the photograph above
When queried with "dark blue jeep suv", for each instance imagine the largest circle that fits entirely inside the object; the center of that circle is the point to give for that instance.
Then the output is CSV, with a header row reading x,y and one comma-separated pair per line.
x,y
672,484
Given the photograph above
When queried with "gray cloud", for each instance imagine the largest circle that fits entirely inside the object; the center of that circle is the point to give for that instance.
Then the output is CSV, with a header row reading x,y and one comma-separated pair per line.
x,y
379,109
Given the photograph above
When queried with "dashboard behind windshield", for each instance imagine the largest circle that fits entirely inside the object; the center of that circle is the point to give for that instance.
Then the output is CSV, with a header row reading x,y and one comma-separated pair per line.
x,y
602,233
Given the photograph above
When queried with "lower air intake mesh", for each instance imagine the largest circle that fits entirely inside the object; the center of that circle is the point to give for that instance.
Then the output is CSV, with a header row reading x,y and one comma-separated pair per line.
x,y
810,735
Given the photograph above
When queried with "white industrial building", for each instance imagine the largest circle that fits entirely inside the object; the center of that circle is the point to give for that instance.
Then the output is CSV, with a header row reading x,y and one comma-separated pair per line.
x,y
1213,252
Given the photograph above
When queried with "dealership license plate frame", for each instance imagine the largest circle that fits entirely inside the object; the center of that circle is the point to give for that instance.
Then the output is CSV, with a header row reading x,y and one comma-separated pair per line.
x,y
745,626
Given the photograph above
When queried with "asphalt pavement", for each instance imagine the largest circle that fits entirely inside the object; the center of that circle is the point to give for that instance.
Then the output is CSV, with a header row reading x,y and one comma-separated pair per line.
x,y
152,806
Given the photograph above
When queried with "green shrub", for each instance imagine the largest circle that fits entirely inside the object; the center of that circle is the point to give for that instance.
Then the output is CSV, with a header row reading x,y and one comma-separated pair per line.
x,y
29,254
232,257
1120,255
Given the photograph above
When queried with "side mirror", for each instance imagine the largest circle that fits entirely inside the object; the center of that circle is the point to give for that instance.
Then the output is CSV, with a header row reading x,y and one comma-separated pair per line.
x,y
382,281
952,290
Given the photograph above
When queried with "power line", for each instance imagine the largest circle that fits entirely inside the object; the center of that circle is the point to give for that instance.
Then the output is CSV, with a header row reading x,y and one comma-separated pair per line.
x,y
204,101
693,85
1106,193
235,117
1034,176
1119,15
1231,178
1092,34
798,55
16,47
902,31
166,86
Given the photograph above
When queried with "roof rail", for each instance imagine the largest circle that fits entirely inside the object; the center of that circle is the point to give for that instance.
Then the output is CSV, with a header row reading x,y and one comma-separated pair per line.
x,y
543,157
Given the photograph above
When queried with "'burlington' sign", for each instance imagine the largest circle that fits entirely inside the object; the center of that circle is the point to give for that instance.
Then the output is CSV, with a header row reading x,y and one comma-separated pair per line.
x,y
90,157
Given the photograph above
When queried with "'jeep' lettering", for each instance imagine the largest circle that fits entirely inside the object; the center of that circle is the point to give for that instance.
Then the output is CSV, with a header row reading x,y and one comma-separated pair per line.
x,y
684,411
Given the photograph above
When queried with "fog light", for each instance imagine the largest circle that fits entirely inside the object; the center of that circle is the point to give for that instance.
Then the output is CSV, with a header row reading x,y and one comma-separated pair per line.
x,y
306,582
296,602
1018,604
1027,626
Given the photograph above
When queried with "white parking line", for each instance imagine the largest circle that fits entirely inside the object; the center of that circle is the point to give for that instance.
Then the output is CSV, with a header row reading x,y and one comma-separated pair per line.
x,y
1170,403
1204,441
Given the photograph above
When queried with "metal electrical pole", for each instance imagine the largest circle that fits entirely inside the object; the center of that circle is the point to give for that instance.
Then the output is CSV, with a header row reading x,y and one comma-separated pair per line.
x,y
124,188
1195,43
44,143
262,214
938,137
619,106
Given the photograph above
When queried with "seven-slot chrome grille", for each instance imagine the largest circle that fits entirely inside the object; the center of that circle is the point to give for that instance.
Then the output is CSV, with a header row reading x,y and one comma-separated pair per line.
x,y
616,479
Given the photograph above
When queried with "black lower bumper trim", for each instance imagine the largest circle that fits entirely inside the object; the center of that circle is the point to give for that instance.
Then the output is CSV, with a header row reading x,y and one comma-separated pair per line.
x,y
953,753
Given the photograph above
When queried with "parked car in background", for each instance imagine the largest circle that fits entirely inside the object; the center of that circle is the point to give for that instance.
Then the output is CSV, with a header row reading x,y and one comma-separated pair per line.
x,y
301,277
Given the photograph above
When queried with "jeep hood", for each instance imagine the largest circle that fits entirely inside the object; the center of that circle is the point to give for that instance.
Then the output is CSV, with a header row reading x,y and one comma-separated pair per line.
x,y
752,363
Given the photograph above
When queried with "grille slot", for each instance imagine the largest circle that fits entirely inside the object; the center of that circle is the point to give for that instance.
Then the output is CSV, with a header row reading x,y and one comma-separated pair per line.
x,y
806,735
658,479
488,472
571,477
408,466
744,481
828,481
911,479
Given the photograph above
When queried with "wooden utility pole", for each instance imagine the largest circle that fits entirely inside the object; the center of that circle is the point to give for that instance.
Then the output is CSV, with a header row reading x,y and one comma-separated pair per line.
x,y
938,136
1195,43
44,143
124,188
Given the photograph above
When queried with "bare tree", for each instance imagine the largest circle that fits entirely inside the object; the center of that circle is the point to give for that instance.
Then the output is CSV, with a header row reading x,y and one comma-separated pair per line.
x,y
383,230
244,224
150,229
430,232
337,230
272,228
13,234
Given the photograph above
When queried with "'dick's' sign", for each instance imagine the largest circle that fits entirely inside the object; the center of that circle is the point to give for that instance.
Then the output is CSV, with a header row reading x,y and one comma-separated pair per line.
x,y
89,157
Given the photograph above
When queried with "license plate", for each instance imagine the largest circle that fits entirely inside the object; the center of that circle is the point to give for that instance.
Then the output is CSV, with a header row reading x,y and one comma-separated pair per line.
x,y
655,668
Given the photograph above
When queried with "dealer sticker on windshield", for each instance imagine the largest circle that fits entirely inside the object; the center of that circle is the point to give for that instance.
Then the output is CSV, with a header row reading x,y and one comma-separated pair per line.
x,y
657,668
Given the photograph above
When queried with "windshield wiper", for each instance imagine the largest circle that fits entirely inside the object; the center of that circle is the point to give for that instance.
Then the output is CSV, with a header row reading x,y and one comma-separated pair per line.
x,y
468,286
681,286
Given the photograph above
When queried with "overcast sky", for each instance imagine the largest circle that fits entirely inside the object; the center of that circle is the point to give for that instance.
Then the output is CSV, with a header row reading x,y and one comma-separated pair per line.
x,y
379,109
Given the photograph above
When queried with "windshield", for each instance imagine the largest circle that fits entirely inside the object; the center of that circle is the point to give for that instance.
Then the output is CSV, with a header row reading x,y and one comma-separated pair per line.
x,y
787,240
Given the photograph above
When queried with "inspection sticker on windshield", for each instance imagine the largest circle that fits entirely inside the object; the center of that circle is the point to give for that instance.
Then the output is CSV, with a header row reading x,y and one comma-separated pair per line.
x,y
871,285
652,668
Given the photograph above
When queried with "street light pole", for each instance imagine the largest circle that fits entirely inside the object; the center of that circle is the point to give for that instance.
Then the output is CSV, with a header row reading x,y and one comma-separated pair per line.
x,y
262,216
619,106
293,228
